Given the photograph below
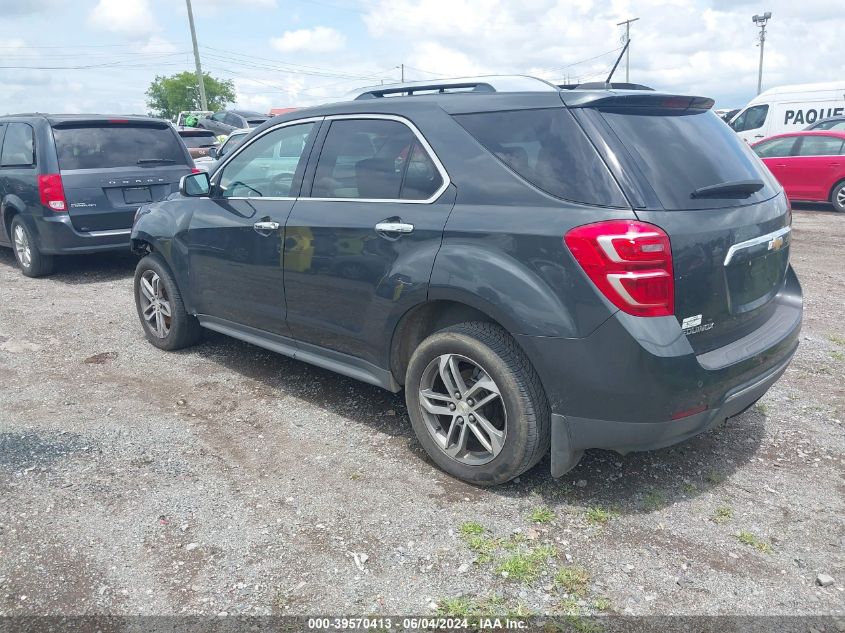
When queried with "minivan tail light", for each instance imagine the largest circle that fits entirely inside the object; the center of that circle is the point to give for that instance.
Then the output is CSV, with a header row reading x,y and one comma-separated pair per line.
x,y
52,192
630,262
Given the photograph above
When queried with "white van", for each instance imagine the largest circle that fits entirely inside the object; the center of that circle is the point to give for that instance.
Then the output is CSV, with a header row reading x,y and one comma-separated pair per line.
x,y
788,109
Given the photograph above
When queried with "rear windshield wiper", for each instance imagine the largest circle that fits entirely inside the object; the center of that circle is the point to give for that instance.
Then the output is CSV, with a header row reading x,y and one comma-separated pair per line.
x,y
152,161
735,188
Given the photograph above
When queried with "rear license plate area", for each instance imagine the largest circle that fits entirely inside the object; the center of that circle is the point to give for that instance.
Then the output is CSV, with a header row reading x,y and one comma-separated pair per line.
x,y
136,195
754,281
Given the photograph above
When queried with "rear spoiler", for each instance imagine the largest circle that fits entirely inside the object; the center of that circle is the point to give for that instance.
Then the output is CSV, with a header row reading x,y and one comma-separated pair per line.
x,y
116,120
639,99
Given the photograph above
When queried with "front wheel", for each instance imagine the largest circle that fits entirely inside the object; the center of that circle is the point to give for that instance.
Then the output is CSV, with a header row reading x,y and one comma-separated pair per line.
x,y
837,197
476,404
166,323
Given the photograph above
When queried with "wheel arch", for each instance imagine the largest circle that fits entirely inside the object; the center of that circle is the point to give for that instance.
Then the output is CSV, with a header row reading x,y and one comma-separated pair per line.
x,y
833,188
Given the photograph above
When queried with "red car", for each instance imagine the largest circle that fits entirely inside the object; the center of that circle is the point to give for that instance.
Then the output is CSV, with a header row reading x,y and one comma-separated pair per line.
x,y
809,165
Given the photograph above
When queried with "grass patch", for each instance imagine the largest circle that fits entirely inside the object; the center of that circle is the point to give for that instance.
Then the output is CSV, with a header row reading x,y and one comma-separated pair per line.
x,y
837,355
689,488
748,538
541,515
598,515
469,607
573,580
723,514
837,338
715,478
602,604
526,566
654,500
471,528
475,536
762,408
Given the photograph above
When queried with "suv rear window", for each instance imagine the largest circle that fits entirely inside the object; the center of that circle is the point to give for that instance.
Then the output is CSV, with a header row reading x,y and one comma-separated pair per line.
x,y
549,150
684,150
117,145
198,139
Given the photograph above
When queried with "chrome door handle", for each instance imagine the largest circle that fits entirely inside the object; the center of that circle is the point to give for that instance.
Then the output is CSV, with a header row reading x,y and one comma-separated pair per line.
x,y
266,226
394,227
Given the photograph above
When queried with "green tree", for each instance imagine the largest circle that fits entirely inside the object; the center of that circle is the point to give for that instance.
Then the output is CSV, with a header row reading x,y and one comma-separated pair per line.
x,y
168,96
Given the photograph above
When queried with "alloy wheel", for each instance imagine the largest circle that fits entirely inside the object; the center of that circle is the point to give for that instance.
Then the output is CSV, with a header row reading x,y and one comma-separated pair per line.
x,y
463,409
155,304
840,198
22,247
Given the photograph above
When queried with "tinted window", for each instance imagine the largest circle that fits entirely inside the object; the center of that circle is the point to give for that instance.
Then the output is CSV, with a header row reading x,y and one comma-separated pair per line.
x,y
751,119
775,147
267,167
233,119
118,145
18,146
231,143
199,140
255,122
549,150
680,151
829,125
374,159
820,146
218,116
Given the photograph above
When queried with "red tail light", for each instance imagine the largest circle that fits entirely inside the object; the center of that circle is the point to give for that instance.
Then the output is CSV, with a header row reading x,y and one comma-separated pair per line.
x,y
194,170
630,262
52,192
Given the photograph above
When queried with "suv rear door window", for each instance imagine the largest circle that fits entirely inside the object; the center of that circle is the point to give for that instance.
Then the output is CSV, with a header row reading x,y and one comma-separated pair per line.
x,y
820,146
18,146
100,145
374,159
549,150
198,139
681,151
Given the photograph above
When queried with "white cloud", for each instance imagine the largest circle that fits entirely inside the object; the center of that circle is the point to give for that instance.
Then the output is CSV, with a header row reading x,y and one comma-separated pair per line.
x,y
130,18
320,39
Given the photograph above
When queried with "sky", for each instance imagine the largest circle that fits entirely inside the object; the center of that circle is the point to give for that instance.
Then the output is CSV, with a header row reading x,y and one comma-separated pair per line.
x,y
101,55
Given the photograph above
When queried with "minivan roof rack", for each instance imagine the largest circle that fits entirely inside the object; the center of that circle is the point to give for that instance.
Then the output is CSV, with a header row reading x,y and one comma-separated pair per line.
x,y
600,85
489,83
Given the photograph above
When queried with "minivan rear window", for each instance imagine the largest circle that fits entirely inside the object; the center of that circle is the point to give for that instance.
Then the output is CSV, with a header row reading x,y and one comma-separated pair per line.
x,y
681,151
549,150
117,145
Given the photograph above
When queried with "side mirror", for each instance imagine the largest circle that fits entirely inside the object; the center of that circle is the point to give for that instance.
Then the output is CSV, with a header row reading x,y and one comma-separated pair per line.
x,y
195,185
212,152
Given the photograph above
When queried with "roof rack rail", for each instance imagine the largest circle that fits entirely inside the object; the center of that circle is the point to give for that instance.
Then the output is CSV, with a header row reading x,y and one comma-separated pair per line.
x,y
600,85
490,83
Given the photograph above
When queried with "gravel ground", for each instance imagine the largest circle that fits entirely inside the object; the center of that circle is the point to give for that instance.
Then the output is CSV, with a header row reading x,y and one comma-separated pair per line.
x,y
228,479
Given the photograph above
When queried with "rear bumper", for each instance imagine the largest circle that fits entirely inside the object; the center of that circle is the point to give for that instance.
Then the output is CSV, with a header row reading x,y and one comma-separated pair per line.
x,y
57,236
627,386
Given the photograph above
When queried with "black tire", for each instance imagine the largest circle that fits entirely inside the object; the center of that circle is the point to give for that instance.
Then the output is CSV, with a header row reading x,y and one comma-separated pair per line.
x,y
182,329
837,197
33,263
494,351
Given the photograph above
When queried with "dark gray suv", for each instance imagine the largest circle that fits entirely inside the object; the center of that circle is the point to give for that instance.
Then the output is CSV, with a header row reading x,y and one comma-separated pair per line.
x,y
71,184
535,267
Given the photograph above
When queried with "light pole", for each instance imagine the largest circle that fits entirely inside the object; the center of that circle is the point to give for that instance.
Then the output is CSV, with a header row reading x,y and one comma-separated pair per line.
x,y
627,24
760,20
203,101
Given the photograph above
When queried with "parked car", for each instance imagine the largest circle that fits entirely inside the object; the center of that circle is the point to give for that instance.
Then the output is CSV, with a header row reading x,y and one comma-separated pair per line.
x,y
198,141
226,121
789,109
831,123
215,154
809,165
535,268
72,183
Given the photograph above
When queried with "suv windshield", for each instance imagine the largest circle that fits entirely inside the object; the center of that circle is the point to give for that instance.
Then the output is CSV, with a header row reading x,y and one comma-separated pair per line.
x,y
93,146
685,151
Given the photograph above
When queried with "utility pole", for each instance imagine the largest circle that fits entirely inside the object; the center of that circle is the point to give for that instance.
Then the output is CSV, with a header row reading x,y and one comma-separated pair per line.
x,y
203,101
403,72
760,20
627,24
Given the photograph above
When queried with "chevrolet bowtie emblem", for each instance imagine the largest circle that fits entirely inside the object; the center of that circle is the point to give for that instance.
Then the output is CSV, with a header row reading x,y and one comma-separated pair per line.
x,y
776,244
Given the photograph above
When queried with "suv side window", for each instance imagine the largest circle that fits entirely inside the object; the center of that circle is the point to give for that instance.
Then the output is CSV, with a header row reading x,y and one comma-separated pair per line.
x,y
751,119
18,146
374,159
775,148
232,119
268,166
820,146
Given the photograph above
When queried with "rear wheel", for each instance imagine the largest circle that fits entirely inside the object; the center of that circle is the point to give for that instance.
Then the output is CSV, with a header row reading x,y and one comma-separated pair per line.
x,y
476,404
33,262
166,323
837,197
